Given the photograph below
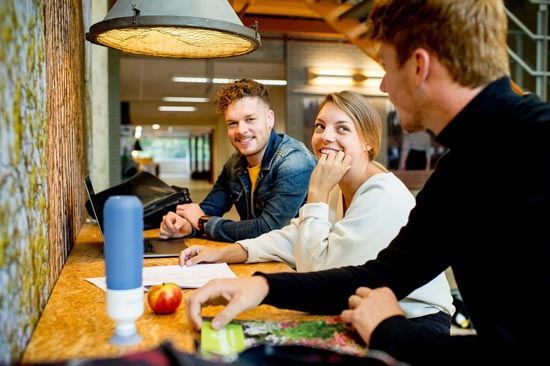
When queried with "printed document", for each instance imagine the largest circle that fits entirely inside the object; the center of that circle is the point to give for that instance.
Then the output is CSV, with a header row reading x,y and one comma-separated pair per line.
x,y
186,277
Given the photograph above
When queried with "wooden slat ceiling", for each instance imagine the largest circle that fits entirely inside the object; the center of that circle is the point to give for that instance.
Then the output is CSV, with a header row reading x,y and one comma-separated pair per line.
x,y
308,18
289,17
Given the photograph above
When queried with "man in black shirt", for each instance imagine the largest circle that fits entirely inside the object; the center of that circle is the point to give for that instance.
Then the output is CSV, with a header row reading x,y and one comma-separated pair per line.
x,y
483,211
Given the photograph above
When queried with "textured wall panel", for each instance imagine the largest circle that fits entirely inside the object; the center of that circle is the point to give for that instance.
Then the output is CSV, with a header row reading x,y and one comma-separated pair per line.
x,y
24,267
65,80
42,159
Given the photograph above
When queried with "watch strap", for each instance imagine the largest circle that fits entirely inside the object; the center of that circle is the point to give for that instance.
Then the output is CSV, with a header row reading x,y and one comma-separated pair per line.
x,y
202,222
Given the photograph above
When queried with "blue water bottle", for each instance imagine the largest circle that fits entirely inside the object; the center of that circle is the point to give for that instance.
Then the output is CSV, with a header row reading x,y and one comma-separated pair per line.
x,y
123,222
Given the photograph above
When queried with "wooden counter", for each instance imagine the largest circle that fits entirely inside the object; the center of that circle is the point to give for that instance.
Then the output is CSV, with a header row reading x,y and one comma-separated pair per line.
x,y
75,323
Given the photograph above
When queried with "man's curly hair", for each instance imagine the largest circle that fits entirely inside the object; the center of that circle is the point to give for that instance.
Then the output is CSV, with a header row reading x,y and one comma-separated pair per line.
x,y
239,89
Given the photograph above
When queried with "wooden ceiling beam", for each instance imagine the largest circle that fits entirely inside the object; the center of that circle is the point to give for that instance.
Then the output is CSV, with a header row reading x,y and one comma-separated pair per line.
x,y
287,8
351,28
291,26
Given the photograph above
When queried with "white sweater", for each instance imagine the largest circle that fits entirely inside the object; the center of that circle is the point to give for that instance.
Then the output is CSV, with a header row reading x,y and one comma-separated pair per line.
x,y
322,238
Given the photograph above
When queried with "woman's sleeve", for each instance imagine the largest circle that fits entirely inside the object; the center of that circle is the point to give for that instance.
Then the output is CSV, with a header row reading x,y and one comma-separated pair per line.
x,y
276,245
373,219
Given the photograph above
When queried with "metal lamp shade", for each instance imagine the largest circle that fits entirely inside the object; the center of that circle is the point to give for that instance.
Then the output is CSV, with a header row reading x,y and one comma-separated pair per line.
x,y
175,28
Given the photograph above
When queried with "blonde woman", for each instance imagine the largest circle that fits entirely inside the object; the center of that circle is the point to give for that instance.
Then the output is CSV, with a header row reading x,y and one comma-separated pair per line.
x,y
355,207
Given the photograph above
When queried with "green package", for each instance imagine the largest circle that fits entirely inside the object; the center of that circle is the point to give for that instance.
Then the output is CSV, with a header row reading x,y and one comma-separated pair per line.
x,y
227,341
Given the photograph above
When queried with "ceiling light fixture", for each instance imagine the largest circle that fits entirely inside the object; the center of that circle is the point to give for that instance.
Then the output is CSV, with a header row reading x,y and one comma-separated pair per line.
x,y
137,146
137,132
176,108
344,77
186,99
186,79
175,28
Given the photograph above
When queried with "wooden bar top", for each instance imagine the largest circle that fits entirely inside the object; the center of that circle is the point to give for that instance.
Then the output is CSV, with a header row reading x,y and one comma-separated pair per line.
x,y
75,324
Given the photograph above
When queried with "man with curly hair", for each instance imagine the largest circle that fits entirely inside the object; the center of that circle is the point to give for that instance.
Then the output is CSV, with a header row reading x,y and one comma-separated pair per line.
x,y
266,178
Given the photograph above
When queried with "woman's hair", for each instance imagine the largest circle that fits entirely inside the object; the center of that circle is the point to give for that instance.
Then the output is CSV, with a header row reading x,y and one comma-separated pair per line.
x,y
238,90
364,116
468,37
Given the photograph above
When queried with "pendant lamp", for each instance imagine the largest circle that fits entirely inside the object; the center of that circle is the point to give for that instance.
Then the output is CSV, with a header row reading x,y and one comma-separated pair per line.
x,y
175,28
137,146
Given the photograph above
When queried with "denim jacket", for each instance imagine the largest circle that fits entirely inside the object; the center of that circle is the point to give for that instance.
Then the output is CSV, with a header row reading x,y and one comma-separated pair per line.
x,y
280,191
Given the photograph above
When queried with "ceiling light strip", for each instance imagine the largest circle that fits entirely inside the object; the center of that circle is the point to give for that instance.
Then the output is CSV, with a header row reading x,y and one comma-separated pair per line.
x,y
186,99
185,79
176,108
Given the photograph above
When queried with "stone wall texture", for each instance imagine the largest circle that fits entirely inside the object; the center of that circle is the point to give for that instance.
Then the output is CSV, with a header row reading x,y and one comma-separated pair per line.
x,y
43,99
24,266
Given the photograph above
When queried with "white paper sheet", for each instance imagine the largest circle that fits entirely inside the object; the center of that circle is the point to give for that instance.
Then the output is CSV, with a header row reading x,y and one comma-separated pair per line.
x,y
186,277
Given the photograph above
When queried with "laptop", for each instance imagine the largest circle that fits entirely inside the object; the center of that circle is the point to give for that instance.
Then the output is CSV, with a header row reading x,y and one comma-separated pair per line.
x,y
152,247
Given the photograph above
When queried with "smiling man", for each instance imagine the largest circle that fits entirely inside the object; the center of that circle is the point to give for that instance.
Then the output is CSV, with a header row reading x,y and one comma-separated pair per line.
x,y
266,178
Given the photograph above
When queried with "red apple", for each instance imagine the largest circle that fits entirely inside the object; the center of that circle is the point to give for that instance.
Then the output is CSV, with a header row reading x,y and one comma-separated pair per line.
x,y
164,298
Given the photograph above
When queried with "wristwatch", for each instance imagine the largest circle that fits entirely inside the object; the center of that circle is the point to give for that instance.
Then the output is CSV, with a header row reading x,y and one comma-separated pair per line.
x,y
202,222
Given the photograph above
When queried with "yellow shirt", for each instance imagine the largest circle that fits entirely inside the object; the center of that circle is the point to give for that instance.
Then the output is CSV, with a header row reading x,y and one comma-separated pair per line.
x,y
253,172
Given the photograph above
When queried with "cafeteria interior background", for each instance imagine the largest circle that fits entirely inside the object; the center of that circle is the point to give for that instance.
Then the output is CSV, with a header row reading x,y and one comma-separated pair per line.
x,y
68,110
